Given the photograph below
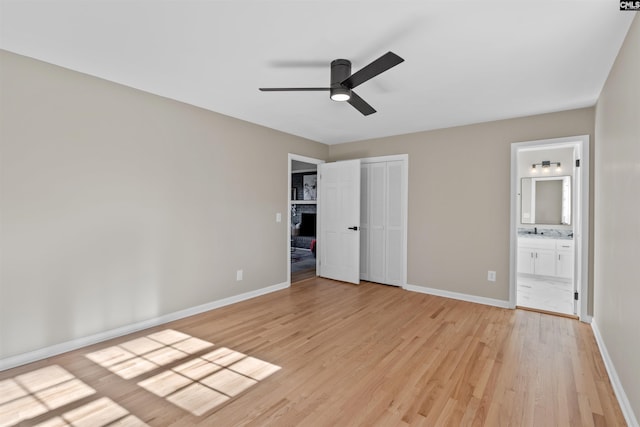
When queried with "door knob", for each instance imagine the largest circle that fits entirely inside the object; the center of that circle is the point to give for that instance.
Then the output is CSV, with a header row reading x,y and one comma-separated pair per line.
x,y
355,228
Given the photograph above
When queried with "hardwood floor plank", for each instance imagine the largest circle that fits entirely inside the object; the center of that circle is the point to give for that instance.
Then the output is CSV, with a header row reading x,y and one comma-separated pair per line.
x,y
299,276
324,353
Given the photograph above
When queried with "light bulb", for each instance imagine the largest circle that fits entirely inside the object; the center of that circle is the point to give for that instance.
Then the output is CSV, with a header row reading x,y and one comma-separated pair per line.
x,y
340,97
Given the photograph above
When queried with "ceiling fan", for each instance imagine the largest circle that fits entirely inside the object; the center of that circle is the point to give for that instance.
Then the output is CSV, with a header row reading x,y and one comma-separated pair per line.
x,y
342,81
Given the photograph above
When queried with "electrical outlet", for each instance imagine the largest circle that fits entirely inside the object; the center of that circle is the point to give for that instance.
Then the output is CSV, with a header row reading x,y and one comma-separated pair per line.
x,y
278,217
491,276
239,275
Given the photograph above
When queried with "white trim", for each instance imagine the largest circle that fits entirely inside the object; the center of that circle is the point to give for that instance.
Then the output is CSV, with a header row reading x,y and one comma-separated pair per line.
x,y
584,233
290,157
404,200
305,159
625,405
455,295
581,228
391,158
43,353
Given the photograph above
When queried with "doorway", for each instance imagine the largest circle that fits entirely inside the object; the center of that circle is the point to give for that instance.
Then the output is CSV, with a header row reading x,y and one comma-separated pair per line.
x,y
363,220
302,222
397,257
549,226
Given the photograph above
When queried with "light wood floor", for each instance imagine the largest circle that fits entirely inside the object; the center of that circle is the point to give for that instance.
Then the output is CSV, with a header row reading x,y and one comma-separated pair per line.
x,y
323,353
301,275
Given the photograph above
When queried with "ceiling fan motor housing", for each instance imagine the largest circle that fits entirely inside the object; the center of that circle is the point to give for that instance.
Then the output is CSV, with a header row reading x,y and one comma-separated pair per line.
x,y
340,70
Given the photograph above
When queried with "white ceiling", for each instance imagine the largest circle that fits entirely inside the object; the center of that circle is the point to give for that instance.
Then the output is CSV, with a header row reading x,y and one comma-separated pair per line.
x,y
465,61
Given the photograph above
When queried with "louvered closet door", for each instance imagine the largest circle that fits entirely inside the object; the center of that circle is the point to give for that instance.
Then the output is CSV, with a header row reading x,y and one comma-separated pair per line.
x,y
364,221
377,222
394,224
381,222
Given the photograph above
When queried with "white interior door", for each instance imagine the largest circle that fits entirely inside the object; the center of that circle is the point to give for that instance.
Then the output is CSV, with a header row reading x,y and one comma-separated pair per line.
x,y
382,222
339,220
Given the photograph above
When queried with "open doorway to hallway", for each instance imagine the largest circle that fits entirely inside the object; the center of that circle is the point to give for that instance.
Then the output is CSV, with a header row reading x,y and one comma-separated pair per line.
x,y
303,174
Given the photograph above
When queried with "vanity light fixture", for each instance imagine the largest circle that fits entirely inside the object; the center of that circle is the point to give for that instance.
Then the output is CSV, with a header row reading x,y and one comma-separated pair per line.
x,y
546,164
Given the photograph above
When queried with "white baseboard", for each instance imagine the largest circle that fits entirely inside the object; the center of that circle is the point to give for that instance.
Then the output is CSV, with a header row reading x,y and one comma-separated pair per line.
x,y
43,353
586,319
458,296
625,405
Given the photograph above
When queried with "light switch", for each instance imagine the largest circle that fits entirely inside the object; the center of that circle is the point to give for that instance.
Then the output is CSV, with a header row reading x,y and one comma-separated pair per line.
x,y
278,217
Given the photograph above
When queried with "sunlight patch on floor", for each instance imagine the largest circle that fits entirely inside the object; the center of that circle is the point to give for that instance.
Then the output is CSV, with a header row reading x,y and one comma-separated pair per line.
x,y
197,399
197,385
203,383
36,393
141,355
185,371
101,412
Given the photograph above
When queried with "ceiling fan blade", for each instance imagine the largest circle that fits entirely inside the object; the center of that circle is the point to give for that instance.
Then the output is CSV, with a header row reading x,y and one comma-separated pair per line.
x,y
380,65
360,104
292,89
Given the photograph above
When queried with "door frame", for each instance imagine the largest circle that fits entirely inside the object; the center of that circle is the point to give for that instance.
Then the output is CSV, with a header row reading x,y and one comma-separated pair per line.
x,y
305,159
405,205
581,208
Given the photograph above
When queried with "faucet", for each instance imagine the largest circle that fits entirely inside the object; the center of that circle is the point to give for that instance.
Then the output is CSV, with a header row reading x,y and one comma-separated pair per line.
x,y
535,230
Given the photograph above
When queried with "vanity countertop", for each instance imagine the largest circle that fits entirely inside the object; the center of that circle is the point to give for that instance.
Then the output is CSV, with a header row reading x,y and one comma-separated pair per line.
x,y
544,236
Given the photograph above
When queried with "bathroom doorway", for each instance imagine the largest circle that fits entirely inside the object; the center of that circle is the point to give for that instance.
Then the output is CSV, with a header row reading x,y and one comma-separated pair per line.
x,y
549,226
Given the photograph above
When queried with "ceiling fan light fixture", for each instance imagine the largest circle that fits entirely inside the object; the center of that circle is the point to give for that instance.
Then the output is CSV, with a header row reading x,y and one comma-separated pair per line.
x,y
342,81
340,94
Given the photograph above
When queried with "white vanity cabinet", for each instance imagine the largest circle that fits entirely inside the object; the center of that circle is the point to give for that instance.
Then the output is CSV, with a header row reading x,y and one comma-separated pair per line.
x,y
564,258
545,257
525,260
537,256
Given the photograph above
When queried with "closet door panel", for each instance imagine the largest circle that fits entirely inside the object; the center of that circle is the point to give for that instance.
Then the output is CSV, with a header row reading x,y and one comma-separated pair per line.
x,y
394,223
394,258
377,220
394,195
364,221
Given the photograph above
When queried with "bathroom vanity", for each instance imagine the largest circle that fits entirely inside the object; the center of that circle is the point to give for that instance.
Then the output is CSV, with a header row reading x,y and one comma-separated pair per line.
x,y
545,256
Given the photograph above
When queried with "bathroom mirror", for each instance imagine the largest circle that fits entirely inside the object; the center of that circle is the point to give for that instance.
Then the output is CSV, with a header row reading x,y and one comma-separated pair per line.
x,y
546,200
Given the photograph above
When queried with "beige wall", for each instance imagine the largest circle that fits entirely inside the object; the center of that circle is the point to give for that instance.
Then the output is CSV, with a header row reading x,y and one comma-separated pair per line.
x,y
459,196
119,206
617,210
